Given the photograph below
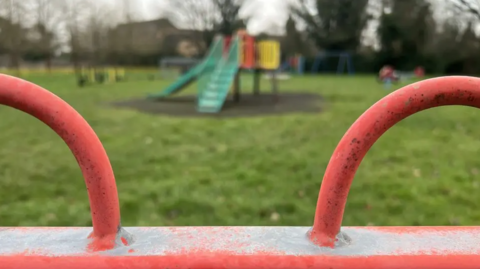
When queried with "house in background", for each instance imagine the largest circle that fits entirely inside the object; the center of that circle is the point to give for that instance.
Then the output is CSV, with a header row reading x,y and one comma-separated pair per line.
x,y
156,37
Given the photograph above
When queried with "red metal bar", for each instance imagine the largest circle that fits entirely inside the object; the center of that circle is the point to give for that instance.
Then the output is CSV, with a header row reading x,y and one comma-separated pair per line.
x,y
442,91
82,141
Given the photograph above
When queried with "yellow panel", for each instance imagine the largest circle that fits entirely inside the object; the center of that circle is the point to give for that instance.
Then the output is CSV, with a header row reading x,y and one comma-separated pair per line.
x,y
269,55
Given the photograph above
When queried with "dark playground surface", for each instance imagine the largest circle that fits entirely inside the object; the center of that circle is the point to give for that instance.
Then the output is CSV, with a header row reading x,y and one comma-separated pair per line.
x,y
249,105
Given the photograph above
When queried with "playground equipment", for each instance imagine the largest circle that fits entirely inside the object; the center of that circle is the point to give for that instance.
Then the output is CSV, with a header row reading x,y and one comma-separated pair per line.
x,y
92,75
295,64
270,59
325,245
218,74
418,72
388,75
179,62
344,62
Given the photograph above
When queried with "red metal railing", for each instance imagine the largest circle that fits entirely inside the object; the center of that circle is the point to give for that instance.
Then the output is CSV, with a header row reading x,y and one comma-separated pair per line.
x,y
82,141
241,247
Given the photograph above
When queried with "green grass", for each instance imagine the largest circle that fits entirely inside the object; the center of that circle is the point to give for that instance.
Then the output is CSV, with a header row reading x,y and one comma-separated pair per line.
x,y
248,171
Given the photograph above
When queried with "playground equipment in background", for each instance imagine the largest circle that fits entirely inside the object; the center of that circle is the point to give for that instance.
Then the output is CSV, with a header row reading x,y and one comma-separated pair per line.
x,y
388,75
218,74
418,72
86,76
344,62
295,65
183,64
324,245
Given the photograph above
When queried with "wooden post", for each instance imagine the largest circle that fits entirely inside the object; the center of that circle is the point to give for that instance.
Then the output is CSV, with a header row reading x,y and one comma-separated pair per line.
x,y
256,81
274,82
236,88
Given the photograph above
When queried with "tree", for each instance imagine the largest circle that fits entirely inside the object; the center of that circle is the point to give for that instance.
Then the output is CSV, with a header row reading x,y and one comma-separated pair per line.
x,y
405,30
193,14
74,17
128,17
100,19
471,7
333,25
48,16
469,41
13,32
200,16
293,41
207,17
229,16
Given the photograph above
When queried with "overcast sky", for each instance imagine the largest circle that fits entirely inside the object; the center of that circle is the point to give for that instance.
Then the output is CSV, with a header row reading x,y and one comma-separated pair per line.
x,y
265,13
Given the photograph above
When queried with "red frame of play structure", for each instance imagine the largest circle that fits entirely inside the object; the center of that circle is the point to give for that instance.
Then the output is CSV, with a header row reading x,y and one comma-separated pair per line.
x,y
248,48
249,60
324,235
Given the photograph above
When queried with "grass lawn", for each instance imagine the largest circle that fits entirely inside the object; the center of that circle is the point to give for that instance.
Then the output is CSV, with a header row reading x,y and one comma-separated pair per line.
x,y
247,171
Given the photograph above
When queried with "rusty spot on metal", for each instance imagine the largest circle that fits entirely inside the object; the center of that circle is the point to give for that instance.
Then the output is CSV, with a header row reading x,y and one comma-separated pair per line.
x,y
439,97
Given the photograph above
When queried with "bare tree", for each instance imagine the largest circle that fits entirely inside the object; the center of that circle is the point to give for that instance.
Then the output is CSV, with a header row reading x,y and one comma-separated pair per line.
x,y
229,11
13,32
47,22
193,14
74,16
101,18
128,17
199,16
471,7
207,17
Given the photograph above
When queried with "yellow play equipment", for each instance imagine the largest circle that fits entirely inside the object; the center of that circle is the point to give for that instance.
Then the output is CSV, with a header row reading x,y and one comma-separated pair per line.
x,y
260,56
268,54
99,75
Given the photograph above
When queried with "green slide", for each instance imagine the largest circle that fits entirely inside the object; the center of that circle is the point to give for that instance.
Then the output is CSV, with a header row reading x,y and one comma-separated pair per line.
x,y
215,82
213,57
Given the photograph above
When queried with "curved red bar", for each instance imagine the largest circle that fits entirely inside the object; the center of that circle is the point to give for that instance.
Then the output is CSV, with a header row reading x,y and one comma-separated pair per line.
x,y
454,90
82,141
